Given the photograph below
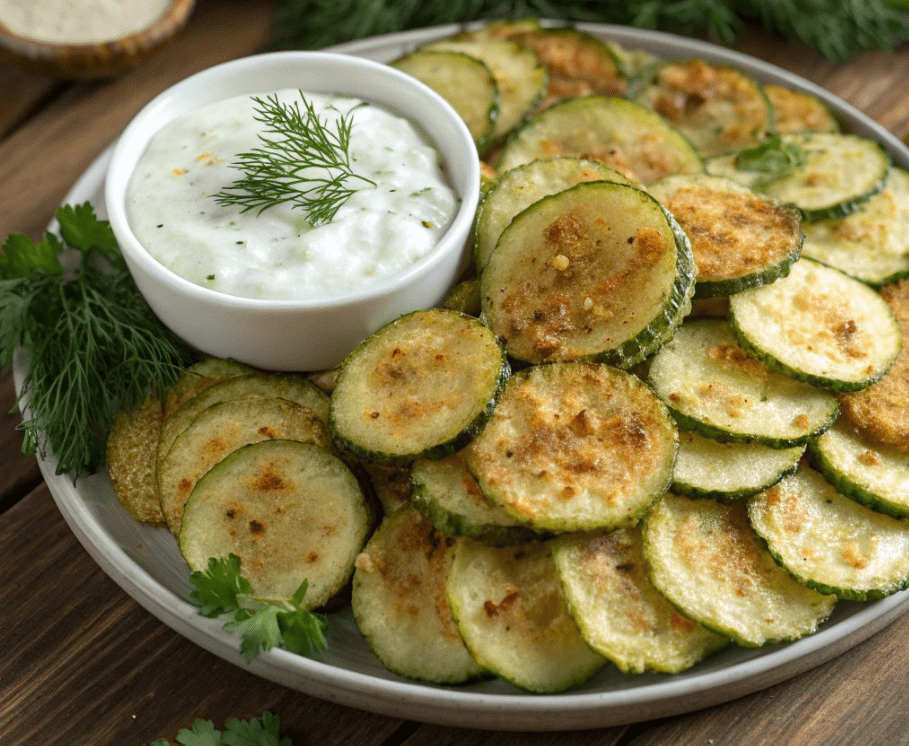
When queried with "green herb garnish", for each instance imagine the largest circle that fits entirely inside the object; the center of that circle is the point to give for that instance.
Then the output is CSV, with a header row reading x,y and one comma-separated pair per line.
x,y
264,731
262,624
94,345
771,159
302,160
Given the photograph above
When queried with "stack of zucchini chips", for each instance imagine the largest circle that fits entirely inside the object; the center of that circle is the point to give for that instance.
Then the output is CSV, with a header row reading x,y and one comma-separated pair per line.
x,y
665,412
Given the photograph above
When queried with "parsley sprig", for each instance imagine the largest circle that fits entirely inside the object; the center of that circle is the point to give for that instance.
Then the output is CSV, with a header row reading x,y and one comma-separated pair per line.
x,y
262,624
95,346
301,160
264,731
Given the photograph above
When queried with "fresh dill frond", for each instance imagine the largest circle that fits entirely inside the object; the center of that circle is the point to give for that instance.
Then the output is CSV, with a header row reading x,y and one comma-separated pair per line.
x,y
93,344
770,160
301,160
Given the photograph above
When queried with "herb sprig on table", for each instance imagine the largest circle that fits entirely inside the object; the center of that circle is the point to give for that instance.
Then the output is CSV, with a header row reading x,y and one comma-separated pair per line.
x,y
95,346
838,30
264,731
301,160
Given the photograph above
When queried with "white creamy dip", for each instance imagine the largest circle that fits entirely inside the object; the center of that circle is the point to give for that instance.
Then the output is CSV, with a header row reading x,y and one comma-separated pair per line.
x,y
276,254
79,21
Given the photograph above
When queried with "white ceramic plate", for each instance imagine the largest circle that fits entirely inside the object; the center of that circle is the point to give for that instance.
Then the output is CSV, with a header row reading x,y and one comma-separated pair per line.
x,y
146,563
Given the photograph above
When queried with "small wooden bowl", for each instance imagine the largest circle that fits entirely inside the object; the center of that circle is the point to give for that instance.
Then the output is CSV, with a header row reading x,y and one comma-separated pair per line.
x,y
93,60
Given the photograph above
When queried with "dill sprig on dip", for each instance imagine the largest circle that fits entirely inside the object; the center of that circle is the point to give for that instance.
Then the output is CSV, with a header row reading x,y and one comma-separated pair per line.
x,y
93,344
302,160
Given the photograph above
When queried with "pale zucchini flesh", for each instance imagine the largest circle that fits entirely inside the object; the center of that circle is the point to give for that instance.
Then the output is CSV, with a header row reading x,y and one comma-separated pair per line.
x,y
421,386
599,270
728,471
715,387
820,326
798,111
222,429
400,603
623,134
516,190
575,446
290,511
739,239
705,558
718,107
830,542
199,377
619,612
512,616
873,475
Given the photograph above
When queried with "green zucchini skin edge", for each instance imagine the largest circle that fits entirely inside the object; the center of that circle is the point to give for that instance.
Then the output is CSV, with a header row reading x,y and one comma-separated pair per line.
x,y
445,448
685,422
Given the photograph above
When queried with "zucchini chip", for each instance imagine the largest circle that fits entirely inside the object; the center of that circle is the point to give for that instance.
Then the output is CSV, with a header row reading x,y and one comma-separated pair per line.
x,y
623,134
739,239
727,471
290,511
518,189
619,612
446,493
400,603
421,386
826,175
718,107
871,244
830,542
820,326
222,429
509,608
706,559
195,379
575,446
598,271
797,111
868,473
715,387
881,411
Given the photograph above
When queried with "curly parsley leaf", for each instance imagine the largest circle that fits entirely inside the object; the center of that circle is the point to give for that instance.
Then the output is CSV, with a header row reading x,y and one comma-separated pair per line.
x,y
261,624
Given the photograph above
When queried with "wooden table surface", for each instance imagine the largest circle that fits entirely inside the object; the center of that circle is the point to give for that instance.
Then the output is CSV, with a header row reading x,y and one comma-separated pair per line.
x,y
82,663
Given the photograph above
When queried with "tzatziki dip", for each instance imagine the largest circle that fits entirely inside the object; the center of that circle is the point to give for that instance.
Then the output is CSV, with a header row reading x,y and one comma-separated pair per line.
x,y
383,228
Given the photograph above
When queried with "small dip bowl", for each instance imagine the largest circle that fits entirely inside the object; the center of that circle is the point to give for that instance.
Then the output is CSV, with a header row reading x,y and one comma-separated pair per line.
x,y
297,335
95,59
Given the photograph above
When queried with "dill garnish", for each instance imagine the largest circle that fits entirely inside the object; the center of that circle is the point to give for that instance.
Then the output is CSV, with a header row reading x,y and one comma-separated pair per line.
x,y
301,160
93,344
772,159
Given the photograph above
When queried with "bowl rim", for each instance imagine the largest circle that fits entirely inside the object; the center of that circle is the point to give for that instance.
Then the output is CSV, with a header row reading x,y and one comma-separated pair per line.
x,y
135,138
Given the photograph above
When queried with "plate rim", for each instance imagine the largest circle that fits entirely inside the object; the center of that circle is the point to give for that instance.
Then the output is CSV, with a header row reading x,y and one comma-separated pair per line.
x,y
462,706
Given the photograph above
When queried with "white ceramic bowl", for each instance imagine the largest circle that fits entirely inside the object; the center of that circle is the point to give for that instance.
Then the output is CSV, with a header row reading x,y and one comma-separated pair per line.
x,y
296,335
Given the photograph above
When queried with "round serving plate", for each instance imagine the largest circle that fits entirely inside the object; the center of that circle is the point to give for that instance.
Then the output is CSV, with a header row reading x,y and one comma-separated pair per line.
x,y
146,562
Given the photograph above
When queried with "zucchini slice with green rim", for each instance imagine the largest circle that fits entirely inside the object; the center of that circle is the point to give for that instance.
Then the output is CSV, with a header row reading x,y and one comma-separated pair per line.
x,y
624,135
858,468
222,429
713,386
825,174
519,74
706,559
575,446
599,270
446,492
798,111
464,81
510,611
720,108
400,603
578,62
820,326
518,189
828,541
740,239
130,450
464,297
871,244
881,411
390,483
728,471
421,386
619,612
290,511
199,377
